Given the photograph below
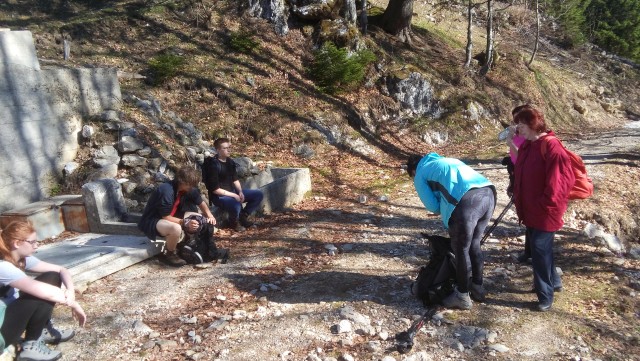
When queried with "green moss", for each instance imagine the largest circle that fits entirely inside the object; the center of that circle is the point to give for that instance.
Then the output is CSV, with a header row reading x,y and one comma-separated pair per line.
x,y
243,42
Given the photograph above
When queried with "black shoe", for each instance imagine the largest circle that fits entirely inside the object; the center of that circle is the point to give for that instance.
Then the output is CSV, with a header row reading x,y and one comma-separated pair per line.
x,y
222,255
172,259
244,220
543,307
523,258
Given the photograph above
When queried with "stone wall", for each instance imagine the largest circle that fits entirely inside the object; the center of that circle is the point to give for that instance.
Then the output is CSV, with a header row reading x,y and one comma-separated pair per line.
x,y
41,112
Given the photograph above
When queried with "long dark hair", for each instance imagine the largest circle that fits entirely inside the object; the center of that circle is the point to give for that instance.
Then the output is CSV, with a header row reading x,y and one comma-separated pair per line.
x,y
17,230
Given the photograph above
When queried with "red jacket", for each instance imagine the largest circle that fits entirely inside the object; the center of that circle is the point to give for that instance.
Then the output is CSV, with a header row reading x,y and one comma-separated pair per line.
x,y
542,184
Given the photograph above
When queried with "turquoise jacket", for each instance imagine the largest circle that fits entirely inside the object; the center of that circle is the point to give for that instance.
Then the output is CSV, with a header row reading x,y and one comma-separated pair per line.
x,y
441,182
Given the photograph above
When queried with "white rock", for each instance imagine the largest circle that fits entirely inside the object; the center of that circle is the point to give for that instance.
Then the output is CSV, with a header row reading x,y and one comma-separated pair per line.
x,y
221,298
344,326
499,347
383,335
346,357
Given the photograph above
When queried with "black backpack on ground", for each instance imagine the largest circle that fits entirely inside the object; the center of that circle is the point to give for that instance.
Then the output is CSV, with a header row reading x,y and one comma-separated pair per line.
x,y
436,279
201,247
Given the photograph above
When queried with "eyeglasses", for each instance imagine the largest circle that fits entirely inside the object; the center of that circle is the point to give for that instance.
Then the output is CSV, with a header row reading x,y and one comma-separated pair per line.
x,y
32,242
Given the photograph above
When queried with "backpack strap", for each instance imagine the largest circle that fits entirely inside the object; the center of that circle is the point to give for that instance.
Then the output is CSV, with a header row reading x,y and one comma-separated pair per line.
x,y
545,144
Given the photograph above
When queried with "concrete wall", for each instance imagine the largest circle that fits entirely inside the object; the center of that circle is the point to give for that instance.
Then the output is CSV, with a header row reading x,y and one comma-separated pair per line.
x,y
41,112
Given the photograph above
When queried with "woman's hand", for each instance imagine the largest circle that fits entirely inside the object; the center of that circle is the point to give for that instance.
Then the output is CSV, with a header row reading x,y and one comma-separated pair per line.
x,y
192,226
69,295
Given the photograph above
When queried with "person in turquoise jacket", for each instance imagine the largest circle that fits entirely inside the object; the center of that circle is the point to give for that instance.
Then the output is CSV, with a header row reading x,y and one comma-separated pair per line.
x,y
465,201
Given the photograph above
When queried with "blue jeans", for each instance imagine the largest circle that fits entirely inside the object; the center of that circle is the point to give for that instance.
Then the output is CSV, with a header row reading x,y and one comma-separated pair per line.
x,y
545,277
253,198
466,227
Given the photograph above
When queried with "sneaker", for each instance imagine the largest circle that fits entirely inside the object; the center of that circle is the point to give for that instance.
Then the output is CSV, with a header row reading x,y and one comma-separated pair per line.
x,y
458,300
52,335
172,259
37,351
478,293
244,220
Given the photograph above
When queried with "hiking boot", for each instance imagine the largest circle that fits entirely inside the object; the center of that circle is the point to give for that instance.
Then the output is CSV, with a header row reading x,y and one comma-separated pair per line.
x,y
478,293
37,351
236,226
172,259
458,300
244,220
52,335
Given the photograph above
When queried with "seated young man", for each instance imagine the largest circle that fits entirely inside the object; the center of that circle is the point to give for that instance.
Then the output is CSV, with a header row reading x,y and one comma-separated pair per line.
x,y
164,212
224,189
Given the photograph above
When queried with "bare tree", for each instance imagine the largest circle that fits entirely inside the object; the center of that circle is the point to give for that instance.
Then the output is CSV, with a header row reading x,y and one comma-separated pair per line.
x,y
363,16
535,46
489,49
469,48
396,19
348,11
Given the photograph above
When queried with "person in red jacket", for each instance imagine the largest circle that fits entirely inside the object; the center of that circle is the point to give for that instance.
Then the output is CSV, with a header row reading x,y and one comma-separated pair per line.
x,y
541,194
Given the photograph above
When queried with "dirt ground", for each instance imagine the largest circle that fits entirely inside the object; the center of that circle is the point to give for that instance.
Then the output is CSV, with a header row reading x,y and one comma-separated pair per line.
x,y
282,295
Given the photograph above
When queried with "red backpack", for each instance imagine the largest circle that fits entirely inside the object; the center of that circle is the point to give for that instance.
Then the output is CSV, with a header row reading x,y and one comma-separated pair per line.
x,y
583,186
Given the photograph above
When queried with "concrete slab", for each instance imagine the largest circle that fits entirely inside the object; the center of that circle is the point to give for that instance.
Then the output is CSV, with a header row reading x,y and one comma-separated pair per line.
x,y
92,256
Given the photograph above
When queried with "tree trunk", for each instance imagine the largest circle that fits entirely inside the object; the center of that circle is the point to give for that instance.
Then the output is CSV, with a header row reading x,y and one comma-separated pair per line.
x,y
469,42
489,50
348,11
535,45
396,19
363,16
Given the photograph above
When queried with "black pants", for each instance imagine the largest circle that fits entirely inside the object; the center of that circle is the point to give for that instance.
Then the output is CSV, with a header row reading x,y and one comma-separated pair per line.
x,y
466,227
29,313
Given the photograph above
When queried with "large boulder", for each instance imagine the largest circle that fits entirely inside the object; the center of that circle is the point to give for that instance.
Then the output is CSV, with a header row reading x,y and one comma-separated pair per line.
x,y
339,32
316,9
273,10
414,93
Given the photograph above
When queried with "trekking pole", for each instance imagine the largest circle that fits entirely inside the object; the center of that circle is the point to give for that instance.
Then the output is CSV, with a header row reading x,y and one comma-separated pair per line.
x,y
493,226
404,339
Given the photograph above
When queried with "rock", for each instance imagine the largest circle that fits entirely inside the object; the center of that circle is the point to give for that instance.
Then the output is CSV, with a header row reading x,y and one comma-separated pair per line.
x,y
273,10
344,326
110,116
349,313
419,356
346,357
339,32
144,152
106,155
149,345
313,358
597,233
140,328
580,106
498,347
471,336
388,358
188,320
383,335
362,198
634,253
132,160
239,314
414,93
347,247
243,166
304,151
289,271
88,131
167,345
217,325
107,171
69,168
373,346
128,144
383,198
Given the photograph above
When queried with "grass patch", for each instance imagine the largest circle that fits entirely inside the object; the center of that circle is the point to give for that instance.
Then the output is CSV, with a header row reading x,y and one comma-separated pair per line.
x,y
440,33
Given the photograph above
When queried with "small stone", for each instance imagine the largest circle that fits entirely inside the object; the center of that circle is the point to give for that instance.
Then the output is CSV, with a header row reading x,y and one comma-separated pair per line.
x,y
383,198
344,326
149,345
70,167
383,335
499,347
221,298
388,358
346,357
217,325
362,198
140,328
166,345
289,271
88,131
373,346
189,320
